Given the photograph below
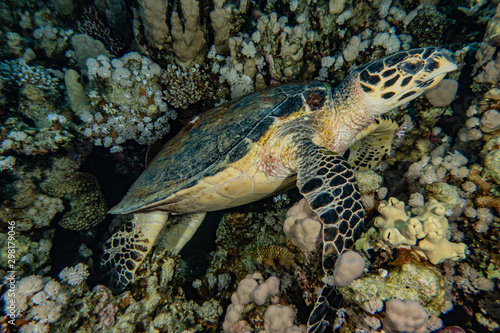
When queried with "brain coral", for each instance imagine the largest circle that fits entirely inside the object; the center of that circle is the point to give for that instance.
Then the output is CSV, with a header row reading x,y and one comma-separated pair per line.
x,y
82,190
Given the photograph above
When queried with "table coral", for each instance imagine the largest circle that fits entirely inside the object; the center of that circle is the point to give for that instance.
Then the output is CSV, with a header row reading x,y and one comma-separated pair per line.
x,y
274,256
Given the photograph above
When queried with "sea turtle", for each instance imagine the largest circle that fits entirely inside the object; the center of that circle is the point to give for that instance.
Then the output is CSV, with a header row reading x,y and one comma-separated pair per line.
x,y
264,143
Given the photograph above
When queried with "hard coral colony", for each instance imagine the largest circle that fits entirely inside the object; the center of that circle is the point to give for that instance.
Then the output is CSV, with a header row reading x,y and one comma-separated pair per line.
x,y
393,224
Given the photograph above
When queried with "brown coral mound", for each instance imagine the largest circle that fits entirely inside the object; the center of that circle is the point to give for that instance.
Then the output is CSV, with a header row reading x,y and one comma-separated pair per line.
x,y
82,190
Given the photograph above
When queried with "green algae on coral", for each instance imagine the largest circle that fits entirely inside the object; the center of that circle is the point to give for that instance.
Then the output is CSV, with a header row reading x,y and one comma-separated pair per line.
x,y
415,281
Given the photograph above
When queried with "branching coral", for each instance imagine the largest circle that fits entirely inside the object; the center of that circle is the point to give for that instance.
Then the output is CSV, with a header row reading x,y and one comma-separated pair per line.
x,y
221,23
154,17
189,39
187,86
74,275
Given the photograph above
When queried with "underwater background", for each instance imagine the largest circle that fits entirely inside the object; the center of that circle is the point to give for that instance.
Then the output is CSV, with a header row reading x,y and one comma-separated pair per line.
x,y
90,89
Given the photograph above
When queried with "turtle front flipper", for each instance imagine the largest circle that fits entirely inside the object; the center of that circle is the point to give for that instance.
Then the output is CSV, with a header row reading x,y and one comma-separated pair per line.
x,y
128,247
323,313
327,182
372,143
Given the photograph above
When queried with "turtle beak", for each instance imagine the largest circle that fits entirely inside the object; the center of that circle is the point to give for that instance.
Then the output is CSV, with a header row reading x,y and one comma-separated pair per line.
x,y
436,80
438,65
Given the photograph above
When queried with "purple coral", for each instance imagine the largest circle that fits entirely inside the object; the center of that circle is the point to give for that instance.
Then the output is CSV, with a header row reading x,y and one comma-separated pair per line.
x,y
105,309
107,314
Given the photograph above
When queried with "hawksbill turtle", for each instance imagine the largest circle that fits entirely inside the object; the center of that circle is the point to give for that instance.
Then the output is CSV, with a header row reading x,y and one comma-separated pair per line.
x,y
267,142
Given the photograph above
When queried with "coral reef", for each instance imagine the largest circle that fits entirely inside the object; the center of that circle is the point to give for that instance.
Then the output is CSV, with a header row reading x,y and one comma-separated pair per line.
x,y
86,86
412,281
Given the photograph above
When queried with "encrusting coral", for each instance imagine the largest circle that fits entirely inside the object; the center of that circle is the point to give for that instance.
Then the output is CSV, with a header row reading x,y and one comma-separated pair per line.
x,y
416,281
427,232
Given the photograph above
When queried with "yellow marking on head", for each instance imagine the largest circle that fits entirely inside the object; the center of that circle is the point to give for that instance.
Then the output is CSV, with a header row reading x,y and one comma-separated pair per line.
x,y
403,76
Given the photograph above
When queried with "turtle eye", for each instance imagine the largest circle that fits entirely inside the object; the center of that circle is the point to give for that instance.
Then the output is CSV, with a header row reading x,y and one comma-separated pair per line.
x,y
411,67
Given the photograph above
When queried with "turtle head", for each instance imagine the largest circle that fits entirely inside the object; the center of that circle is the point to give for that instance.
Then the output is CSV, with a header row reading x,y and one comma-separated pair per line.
x,y
399,78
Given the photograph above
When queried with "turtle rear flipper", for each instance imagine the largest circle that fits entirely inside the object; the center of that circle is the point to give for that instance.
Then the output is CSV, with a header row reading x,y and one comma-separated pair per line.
x,y
182,229
327,182
128,247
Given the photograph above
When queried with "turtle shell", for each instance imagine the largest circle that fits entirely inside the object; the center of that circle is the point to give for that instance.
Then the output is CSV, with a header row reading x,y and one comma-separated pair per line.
x,y
214,139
